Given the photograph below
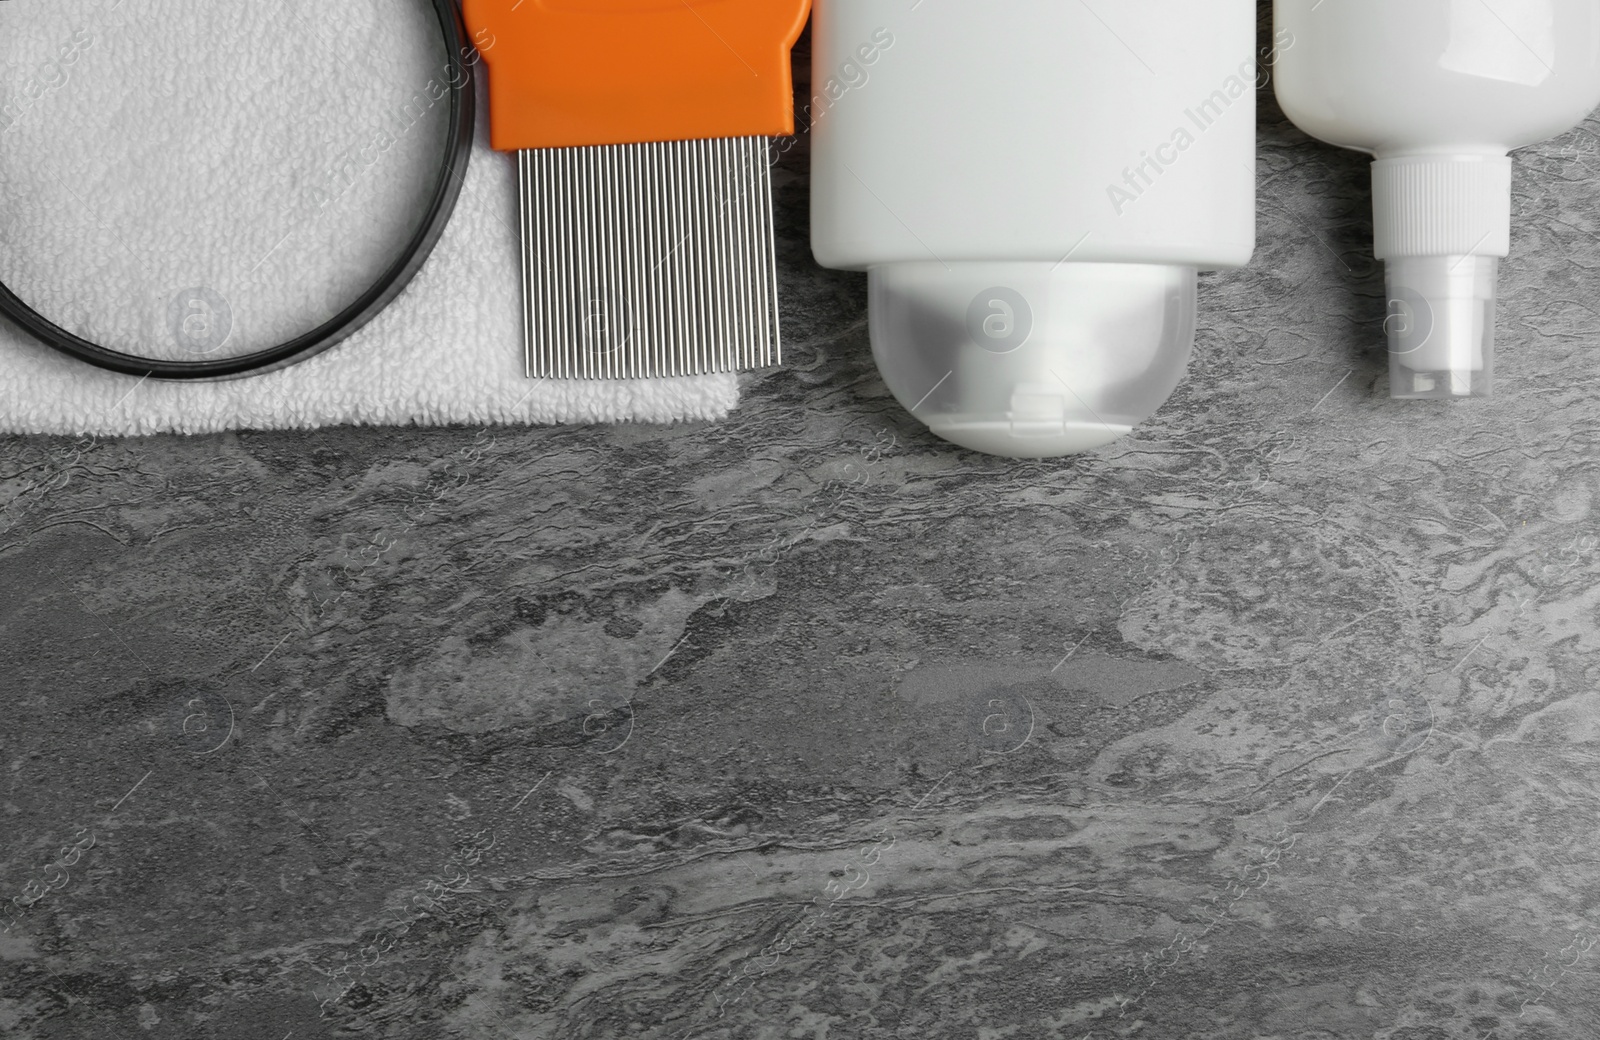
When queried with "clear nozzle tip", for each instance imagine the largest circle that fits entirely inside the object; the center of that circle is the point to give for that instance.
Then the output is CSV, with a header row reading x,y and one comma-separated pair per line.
x,y
1441,325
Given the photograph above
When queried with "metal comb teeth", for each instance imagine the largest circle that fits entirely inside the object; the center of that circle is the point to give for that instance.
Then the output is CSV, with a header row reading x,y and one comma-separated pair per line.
x,y
647,260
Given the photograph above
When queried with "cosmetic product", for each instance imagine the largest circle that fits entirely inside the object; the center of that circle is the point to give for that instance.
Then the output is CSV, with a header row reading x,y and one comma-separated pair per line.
x,y
1439,92
642,131
1032,187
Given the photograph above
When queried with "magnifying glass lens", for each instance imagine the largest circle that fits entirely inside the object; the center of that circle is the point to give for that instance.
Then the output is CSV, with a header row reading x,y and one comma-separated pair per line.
x,y
195,181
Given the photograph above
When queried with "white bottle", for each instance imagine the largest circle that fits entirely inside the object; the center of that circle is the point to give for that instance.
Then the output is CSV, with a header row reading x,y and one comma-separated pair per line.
x,y
1439,92
1032,186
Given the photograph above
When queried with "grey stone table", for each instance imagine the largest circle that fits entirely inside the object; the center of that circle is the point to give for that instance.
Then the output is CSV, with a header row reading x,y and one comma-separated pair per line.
x,y
1273,720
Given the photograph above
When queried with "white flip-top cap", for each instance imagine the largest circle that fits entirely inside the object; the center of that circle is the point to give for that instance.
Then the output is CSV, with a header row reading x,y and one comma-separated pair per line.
x,y
1032,360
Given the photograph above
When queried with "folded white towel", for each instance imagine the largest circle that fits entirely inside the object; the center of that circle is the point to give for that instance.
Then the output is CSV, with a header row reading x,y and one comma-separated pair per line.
x,y
102,100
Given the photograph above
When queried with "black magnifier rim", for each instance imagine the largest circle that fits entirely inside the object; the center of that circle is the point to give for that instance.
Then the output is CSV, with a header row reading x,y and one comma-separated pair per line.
x,y
463,111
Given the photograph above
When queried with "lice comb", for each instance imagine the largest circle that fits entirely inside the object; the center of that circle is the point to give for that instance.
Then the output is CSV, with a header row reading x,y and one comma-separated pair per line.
x,y
642,131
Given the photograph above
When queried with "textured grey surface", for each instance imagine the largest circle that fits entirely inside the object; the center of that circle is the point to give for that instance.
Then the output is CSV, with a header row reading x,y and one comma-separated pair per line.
x,y
1273,720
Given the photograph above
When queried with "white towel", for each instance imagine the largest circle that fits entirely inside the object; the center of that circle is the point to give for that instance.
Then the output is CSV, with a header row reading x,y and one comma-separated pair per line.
x,y
101,101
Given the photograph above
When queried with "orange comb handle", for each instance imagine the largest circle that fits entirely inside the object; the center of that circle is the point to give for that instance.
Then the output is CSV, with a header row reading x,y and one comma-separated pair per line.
x,y
566,73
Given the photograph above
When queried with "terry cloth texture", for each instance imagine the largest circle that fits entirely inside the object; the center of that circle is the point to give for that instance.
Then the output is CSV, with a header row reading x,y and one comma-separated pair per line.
x,y
291,134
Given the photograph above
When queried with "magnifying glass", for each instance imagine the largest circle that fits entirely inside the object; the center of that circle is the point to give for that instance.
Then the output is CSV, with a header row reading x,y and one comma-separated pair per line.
x,y
191,190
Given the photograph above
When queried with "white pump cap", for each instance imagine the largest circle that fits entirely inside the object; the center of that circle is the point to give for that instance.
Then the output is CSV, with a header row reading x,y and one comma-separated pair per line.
x,y
1440,223
1031,359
